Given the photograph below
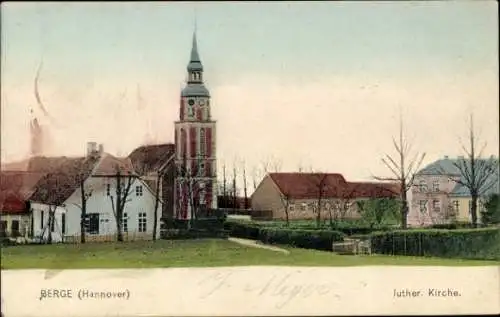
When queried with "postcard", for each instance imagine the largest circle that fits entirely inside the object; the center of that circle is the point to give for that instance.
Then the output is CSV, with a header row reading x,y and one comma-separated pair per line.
x,y
249,158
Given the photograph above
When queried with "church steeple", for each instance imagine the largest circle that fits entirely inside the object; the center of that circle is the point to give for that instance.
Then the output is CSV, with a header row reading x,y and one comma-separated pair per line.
x,y
194,60
195,86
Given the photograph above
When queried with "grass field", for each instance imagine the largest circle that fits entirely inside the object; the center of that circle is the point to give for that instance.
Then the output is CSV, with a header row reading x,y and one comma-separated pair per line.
x,y
191,253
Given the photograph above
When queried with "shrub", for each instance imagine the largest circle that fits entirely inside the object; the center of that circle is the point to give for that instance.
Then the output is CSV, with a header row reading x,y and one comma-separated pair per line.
x,y
464,243
301,238
242,230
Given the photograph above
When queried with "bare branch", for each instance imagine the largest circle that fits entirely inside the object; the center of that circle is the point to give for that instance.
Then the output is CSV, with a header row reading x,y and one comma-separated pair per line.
x,y
390,168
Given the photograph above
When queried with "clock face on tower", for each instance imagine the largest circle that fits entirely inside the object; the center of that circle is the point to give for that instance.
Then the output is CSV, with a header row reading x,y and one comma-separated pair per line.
x,y
191,102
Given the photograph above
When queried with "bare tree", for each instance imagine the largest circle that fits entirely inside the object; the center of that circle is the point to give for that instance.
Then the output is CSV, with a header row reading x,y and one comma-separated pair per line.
x,y
276,165
224,181
256,176
477,174
320,186
286,199
123,184
245,193
193,175
234,197
85,194
342,204
403,169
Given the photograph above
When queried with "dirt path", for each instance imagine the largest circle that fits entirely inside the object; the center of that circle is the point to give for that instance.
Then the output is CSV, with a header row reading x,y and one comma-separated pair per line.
x,y
255,244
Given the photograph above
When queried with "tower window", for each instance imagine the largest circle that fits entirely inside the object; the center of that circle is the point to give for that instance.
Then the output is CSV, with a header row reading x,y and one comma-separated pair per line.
x,y
202,142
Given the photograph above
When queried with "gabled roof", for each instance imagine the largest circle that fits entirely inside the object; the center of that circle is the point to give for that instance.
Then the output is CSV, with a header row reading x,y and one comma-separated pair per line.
x,y
150,158
108,165
59,184
307,185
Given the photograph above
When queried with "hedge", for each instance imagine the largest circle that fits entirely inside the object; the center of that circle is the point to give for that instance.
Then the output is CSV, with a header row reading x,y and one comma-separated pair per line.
x,y
301,238
456,225
307,239
481,243
174,234
202,224
347,227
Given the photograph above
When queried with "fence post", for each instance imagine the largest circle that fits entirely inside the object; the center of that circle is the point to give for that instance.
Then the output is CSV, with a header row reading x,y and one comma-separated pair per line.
x,y
392,243
404,239
420,244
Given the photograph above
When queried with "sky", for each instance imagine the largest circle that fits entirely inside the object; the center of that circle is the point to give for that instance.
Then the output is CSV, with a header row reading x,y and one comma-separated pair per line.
x,y
315,85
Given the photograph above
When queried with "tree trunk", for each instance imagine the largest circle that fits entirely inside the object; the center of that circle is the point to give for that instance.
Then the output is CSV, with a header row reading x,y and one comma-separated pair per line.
x,y
157,203
119,207
287,218
51,220
84,212
318,216
473,210
404,205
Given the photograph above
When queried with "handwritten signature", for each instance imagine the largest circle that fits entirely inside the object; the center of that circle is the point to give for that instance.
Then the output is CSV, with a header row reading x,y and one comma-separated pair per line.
x,y
278,286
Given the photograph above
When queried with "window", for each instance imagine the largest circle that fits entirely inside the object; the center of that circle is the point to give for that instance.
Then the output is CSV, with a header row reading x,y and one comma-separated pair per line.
x,y
422,186
202,141
125,222
291,207
41,219
142,222
423,205
348,205
14,228
456,205
435,186
108,189
93,223
138,190
435,205
3,228
201,170
303,207
63,224
202,196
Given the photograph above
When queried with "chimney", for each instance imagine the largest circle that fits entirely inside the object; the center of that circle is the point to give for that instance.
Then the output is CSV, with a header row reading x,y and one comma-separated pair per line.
x,y
91,149
101,148
446,157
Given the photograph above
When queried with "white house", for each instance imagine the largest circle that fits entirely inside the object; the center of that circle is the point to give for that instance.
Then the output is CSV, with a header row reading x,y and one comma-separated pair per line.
x,y
59,193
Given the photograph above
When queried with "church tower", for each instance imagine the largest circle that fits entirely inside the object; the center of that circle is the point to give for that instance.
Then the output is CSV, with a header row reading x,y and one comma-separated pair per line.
x,y
195,180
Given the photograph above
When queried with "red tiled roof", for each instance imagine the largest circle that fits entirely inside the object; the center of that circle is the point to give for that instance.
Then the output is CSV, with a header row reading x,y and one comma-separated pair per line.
x,y
149,158
15,189
307,186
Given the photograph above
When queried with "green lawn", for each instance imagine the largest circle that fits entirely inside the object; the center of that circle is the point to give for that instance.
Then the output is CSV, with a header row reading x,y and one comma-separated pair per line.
x,y
191,253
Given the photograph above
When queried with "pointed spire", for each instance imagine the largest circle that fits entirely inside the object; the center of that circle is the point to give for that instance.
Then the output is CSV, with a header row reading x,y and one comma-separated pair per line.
x,y
195,57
